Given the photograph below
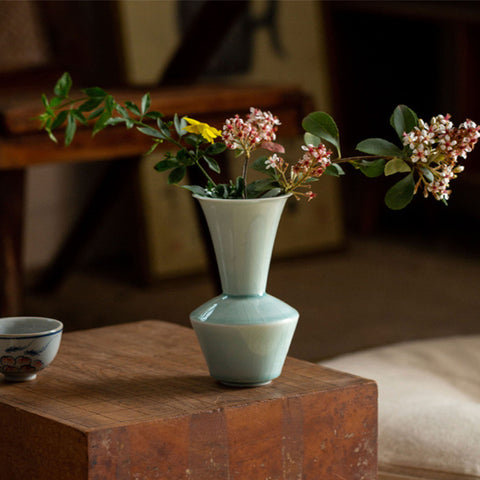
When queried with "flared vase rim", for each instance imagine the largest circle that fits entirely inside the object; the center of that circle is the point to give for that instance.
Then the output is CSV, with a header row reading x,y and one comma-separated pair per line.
x,y
242,200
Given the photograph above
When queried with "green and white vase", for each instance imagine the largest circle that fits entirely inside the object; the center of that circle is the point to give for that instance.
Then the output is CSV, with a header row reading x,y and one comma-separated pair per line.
x,y
244,333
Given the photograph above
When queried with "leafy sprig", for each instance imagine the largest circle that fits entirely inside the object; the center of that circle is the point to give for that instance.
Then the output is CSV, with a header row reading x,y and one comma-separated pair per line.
x,y
96,107
427,156
383,157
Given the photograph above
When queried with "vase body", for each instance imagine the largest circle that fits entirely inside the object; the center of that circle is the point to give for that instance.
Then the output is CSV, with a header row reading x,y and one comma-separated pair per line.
x,y
244,333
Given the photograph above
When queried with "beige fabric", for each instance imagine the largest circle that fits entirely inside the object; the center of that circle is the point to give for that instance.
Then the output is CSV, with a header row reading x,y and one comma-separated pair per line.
x,y
429,406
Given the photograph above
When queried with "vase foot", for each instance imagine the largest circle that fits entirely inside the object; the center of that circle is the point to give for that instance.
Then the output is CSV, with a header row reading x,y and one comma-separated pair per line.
x,y
245,385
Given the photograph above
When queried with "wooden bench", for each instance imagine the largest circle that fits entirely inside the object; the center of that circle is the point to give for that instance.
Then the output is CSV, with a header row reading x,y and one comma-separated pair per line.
x,y
136,401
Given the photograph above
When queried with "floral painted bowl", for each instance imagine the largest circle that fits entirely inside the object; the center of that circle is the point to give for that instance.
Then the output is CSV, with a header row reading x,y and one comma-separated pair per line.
x,y
27,345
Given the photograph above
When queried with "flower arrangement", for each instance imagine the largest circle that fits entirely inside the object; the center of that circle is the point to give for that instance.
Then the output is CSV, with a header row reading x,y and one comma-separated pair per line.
x,y
428,154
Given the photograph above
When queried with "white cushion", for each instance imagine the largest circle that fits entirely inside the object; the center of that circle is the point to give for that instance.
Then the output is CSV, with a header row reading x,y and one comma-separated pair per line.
x,y
429,405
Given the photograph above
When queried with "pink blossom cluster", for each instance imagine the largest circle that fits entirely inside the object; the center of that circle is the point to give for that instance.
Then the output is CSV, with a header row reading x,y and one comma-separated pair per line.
x,y
441,137
439,187
437,146
314,161
266,123
312,165
248,134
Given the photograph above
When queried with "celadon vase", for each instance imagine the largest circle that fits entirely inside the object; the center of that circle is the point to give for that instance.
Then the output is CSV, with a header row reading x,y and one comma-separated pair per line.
x,y
244,333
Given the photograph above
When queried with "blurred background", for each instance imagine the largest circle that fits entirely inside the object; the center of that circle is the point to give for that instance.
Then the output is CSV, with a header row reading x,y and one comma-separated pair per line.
x,y
359,274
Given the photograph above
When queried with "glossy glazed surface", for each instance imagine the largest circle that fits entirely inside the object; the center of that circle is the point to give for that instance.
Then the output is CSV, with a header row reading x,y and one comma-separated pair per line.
x,y
244,333
27,345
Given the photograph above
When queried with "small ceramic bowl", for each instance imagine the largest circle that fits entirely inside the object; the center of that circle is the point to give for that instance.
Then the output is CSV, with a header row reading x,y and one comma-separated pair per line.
x,y
27,345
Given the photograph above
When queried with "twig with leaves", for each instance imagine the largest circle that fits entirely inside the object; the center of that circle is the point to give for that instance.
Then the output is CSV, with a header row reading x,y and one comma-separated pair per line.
x,y
428,154
97,107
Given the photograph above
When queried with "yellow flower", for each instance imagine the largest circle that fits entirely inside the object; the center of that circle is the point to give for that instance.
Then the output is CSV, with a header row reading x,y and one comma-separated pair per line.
x,y
206,131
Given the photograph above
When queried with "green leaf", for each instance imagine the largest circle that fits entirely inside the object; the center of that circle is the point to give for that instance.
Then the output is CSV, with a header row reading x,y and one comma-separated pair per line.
x,y
59,119
259,165
311,139
63,85
152,132
133,108
129,123
427,173
197,190
152,115
437,158
55,102
272,193
101,123
379,146
212,164
155,144
240,186
90,104
396,165
79,116
115,121
176,175
179,124
226,191
110,104
221,191
164,127
122,111
401,194
238,152
373,168
45,101
322,125
70,130
164,165
105,116
193,140
215,148
335,170
48,128
96,113
145,103
51,136
259,187
403,119
185,157
95,92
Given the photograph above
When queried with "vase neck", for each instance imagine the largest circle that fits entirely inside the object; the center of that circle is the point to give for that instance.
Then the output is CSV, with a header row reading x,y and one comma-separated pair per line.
x,y
243,234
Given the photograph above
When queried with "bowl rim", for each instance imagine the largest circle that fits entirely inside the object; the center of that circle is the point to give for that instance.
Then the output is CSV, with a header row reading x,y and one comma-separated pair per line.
x,y
44,333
